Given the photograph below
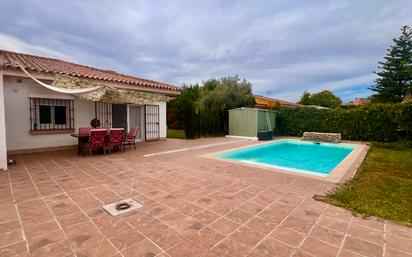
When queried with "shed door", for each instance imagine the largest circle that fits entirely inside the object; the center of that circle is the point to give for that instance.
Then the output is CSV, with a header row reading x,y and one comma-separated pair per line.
x,y
152,128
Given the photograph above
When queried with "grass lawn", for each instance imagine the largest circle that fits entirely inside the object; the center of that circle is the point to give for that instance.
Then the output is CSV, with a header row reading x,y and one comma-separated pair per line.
x,y
174,133
382,186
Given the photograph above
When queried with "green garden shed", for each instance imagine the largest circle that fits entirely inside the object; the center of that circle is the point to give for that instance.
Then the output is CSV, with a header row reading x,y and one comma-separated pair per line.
x,y
248,122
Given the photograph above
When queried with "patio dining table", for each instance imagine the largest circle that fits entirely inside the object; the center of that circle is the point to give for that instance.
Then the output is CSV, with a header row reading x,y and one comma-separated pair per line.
x,y
81,140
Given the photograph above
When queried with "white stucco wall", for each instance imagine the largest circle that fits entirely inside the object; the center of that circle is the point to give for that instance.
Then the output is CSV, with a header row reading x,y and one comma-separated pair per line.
x,y
17,107
3,150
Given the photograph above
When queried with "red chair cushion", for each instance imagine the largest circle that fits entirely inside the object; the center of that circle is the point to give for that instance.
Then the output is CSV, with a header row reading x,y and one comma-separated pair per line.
x,y
116,136
97,137
84,131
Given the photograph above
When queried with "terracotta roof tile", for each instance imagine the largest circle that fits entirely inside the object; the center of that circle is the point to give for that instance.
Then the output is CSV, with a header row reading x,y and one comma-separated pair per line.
x,y
54,66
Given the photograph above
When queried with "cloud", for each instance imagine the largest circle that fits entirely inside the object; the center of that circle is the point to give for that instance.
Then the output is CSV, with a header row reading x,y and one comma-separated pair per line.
x,y
280,46
11,43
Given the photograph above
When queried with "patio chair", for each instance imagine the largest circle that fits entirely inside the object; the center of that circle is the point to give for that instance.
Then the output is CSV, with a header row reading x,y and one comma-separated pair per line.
x,y
131,137
116,138
97,139
85,131
83,138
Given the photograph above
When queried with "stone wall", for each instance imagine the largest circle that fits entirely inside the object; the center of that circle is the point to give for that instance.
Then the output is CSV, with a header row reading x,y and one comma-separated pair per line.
x,y
322,137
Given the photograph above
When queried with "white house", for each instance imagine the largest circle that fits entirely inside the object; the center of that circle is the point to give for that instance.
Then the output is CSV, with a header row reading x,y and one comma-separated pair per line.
x,y
44,100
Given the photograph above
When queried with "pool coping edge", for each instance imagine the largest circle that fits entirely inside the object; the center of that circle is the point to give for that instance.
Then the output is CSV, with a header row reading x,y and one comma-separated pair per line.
x,y
343,171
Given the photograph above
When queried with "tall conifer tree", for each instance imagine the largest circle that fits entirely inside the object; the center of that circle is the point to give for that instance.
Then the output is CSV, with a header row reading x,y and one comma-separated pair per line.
x,y
394,81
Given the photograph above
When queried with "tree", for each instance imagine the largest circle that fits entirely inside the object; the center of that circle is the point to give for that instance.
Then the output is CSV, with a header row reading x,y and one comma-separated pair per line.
x,y
227,93
184,109
305,99
394,80
203,110
324,98
210,84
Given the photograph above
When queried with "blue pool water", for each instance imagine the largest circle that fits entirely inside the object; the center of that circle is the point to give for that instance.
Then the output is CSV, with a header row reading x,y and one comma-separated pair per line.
x,y
299,156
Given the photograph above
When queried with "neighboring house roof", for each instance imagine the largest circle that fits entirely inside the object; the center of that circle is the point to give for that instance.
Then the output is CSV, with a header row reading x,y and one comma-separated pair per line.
x,y
52,66
269,103
407,98
360,101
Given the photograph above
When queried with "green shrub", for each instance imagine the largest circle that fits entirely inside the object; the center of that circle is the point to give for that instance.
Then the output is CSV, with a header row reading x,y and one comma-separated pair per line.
x,y
374,122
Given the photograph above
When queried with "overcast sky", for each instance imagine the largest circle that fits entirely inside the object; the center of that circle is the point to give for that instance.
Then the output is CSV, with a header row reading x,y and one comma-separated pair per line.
x,y
283,47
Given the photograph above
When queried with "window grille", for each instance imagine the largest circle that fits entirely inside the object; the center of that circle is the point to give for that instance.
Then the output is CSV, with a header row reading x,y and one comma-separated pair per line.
x,y
152,129
103,112
51,114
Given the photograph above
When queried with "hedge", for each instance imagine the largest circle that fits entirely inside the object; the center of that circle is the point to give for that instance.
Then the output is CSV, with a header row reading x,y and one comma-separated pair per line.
x,y
374,122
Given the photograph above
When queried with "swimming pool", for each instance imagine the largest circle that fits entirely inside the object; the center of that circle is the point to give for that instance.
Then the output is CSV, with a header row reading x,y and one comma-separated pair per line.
x,y
293,155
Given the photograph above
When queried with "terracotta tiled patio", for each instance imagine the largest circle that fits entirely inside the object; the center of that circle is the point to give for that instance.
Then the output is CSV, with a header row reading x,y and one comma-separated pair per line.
x,y
50,205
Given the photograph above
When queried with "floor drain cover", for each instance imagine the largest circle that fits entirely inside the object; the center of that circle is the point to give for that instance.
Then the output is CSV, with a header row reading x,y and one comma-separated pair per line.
x,y
122,206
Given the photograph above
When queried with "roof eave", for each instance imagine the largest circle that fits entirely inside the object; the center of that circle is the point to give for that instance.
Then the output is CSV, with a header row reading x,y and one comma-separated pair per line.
x,y
50,76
